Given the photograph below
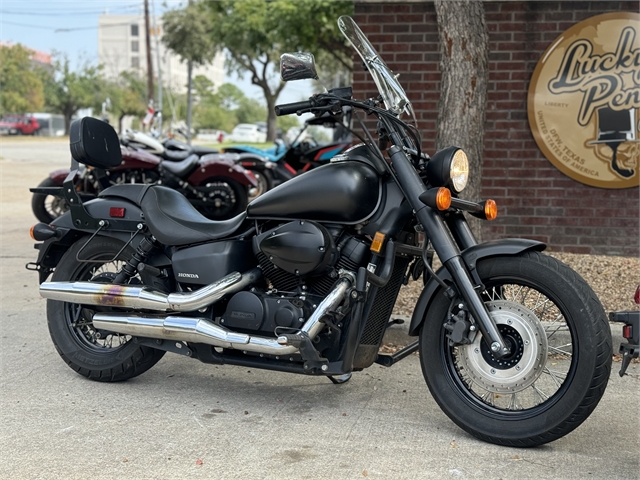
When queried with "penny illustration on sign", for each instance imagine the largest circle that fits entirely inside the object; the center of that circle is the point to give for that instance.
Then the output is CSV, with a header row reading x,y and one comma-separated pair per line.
x,y
584,101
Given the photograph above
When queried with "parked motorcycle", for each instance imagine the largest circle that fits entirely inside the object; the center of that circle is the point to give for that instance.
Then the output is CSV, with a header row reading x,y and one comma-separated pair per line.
x,y
215,184
514,345
169,149
630,332
278,164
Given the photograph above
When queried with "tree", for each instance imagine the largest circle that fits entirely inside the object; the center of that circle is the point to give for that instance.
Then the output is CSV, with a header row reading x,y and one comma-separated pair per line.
x,y
464,62
255,33
128,96
21,89
67,91
225,108
188,33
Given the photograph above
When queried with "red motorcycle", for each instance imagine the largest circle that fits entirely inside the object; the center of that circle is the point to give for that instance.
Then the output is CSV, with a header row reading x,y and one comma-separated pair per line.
x,y
215,184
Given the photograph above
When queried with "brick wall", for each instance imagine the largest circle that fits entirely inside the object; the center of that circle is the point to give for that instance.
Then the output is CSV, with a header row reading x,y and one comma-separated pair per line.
x,y
535,199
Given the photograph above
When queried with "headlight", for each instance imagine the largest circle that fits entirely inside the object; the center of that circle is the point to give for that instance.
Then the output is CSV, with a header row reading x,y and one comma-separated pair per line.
x,y
459,171
449,168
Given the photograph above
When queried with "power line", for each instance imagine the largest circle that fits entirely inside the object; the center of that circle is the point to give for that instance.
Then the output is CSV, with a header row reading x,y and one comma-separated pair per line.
x,y
56,14
55,30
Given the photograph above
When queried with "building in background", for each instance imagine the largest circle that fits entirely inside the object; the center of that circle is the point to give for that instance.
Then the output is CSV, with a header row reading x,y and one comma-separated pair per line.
x,y
122,47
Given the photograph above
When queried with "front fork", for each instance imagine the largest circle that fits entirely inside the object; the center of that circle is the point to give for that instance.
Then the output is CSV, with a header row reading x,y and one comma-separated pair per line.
x,y
447,250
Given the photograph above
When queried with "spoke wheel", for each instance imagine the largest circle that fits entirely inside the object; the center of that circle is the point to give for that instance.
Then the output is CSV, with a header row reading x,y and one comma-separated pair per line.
x,y
95,353
559,362
47,208
222,199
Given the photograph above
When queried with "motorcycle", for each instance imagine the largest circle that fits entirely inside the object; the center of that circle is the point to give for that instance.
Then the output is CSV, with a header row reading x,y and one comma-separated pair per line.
x,y
215,184
276,165
169,149
514,345
630,332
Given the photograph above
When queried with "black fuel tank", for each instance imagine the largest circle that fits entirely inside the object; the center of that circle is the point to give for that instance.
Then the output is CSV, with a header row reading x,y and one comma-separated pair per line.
x,y
345,192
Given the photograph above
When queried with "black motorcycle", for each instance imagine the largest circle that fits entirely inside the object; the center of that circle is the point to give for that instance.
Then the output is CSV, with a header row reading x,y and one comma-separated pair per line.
x,y
514,346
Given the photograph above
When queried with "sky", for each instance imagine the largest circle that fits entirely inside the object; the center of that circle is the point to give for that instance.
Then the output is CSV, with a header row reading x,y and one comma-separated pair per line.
x,y
71,26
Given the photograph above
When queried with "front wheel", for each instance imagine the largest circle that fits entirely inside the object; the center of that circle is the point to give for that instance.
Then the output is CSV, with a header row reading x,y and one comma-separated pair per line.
x,y
265,183
560,356
47,208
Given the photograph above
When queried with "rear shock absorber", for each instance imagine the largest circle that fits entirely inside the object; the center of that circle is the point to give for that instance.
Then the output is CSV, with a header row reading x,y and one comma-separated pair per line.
x,y
131,267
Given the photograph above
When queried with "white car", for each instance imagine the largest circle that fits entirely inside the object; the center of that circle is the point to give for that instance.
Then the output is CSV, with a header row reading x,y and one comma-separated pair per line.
x,y
248,132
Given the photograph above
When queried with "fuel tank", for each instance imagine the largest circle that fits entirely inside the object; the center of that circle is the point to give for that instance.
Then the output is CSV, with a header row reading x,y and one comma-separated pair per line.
x,y
345,192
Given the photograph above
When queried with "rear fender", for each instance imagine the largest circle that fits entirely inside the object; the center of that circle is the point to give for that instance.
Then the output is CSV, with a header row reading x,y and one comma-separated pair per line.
x,y
58,176
221,165
494,248
52,250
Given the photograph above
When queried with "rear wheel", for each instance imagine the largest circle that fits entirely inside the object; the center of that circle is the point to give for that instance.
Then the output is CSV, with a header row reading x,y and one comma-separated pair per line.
x,y
94,353
560,354
225,198
47,208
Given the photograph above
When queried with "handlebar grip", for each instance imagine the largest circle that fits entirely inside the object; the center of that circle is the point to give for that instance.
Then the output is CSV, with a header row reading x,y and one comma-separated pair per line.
x,y
289,108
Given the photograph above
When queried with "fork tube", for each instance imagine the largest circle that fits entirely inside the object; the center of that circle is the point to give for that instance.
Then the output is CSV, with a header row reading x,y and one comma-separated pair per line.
x,y
447,249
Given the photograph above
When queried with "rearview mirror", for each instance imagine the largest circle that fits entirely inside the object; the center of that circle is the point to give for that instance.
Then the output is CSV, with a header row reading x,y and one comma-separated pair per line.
x,y
297,66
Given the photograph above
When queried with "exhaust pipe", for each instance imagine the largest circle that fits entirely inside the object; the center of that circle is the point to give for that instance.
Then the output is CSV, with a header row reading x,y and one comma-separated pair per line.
x,y
141,297
202,330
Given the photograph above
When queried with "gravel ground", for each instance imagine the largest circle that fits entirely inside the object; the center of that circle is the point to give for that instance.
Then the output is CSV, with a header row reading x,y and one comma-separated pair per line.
x,y
614,279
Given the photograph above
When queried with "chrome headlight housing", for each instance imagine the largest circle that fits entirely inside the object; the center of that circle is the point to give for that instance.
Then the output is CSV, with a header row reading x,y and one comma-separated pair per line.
x,y
449,168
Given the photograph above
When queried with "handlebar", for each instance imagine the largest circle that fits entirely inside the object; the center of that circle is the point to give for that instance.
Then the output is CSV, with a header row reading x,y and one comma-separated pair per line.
x,y
289,108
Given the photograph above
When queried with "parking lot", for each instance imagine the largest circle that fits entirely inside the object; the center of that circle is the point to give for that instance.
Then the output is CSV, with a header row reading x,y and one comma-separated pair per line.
x,y
185,419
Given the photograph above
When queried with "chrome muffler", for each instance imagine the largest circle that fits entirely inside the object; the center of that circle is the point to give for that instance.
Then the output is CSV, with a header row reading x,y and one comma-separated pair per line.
x,y
202,330
141,297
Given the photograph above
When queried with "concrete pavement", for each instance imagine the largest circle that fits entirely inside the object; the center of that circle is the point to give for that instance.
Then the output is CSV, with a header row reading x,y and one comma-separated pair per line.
x,y
185,419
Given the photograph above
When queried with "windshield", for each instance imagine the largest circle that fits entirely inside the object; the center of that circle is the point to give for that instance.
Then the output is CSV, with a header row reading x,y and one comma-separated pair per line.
x,y
392,93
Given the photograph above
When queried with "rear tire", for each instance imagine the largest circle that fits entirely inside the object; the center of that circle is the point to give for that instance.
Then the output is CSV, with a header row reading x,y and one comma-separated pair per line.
x,y
95,354
226,198
47,208
561,358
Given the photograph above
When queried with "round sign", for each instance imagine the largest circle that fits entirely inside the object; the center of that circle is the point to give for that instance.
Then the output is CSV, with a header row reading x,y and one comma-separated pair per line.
x,y
584,101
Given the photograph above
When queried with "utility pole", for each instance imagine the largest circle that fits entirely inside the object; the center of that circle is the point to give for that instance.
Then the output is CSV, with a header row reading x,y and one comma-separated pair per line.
x,y
189,99
157,34
149,64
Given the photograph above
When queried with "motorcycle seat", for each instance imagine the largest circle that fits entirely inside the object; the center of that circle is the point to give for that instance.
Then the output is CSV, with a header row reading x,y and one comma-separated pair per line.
x,y
198,150
176,155
171,218
183,167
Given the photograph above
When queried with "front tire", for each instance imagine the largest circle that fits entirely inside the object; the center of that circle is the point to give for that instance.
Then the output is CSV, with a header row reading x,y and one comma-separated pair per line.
x,y
560,361
47,208
98,355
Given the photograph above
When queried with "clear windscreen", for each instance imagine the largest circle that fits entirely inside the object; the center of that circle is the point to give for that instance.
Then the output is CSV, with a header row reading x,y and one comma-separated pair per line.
x,y
392,93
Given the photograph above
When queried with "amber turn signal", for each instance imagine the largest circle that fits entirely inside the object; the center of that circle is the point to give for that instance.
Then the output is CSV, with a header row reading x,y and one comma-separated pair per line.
x,y
443,198
490,209
378,241
31,232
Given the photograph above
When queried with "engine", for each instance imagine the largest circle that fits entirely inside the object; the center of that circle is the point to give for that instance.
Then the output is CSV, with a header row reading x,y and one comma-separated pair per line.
x,y
300,261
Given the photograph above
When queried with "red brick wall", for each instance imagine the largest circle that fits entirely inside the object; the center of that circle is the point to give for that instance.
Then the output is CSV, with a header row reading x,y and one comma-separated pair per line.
x,y
535,199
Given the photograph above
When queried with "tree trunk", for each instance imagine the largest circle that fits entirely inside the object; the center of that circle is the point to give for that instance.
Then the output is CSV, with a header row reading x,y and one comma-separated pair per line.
x,y
464,62
67,122
272,119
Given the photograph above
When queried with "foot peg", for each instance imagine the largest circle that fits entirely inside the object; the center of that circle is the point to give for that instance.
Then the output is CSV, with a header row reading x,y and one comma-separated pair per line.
x,y
293,339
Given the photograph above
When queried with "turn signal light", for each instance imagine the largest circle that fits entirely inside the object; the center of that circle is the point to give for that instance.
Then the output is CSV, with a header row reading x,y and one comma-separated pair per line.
x,y
378,241
41,232
443,198
490,209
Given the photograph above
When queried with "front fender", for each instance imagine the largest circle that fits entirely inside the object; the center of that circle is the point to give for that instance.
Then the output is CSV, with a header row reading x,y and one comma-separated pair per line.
x,y
494,248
